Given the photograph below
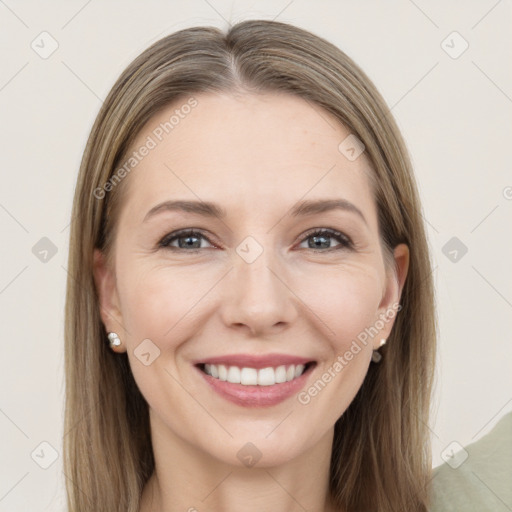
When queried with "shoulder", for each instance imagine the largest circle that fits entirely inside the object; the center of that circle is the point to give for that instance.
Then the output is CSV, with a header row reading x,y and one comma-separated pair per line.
x,y
479,477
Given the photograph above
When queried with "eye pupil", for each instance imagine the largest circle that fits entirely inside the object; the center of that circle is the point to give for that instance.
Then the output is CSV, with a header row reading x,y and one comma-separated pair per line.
x,y
188,238
317,244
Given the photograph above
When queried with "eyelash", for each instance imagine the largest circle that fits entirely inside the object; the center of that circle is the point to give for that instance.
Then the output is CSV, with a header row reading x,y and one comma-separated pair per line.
x,y
345,242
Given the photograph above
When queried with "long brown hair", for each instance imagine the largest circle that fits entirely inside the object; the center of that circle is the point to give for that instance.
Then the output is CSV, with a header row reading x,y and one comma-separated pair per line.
x,y
381,451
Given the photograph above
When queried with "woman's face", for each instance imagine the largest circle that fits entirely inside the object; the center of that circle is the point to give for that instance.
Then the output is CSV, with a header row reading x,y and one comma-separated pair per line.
x,y
255,284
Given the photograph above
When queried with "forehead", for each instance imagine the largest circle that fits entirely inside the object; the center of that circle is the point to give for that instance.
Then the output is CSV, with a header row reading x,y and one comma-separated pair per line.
x,y
246,152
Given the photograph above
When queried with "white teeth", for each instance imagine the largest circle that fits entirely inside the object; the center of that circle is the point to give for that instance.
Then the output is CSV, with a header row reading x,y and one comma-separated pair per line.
x,y
248,376
298,370
222,371
266,377
234,374
280,374
252,377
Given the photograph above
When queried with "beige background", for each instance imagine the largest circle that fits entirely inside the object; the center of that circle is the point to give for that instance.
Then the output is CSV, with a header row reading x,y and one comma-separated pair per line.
x,y
455,114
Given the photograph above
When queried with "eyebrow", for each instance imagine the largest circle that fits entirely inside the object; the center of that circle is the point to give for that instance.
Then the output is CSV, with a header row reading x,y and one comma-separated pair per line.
x,y
208,209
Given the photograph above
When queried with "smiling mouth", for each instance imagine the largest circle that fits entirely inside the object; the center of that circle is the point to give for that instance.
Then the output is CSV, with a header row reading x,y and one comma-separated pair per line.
x,y
247,376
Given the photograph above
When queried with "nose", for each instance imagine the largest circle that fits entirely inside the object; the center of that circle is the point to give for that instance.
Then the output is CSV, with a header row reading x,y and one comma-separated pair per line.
x,y
257,298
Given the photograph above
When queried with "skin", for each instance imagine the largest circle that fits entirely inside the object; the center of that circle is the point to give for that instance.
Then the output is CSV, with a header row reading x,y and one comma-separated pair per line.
x,y
256,156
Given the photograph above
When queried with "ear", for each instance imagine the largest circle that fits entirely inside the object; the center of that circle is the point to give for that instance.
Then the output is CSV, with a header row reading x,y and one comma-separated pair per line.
x,y
390,303
110,311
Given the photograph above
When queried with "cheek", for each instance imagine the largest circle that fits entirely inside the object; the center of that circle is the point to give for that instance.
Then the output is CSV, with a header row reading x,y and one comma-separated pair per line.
x,y
158,304
345,302
153,304
347,309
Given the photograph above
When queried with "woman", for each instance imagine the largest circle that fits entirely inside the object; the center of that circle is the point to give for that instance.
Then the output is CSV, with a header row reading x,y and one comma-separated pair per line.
x,y
250,311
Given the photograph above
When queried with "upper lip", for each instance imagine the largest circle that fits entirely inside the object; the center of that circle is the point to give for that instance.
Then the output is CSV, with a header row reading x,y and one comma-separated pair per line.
x,y
255,361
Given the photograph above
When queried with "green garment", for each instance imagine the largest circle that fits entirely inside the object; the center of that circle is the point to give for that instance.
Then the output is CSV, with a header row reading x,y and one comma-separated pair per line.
x,y
483,481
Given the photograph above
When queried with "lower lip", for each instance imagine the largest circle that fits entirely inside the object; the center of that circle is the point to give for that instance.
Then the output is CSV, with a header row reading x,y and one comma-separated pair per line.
x,y
257,396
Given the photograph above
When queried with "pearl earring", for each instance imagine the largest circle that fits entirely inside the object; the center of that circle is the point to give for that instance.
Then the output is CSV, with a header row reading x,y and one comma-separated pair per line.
x,y
377,356
114,340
